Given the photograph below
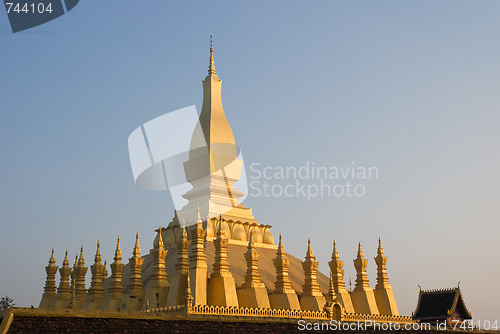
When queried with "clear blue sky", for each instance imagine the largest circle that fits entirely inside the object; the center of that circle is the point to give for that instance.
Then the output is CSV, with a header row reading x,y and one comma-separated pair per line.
x,y
408,86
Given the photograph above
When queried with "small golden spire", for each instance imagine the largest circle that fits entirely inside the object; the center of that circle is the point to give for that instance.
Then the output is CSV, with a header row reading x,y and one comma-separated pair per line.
x,y
118,251
211,66
281,249
160,239
105,272
188,296
76,262
137,250
66,260
219,230
52,259
360,252
81,259
184,232
309,253
335,253
380,250
97,258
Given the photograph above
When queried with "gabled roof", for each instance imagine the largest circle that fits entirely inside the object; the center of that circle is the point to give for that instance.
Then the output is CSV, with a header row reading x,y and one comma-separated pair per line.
x,y
440,304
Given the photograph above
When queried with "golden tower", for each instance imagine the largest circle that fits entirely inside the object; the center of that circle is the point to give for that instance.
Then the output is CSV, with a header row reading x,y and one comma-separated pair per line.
x,y
50,284
383,291
95,295
363,297
283,296
114,294
341,293
311,298
133,299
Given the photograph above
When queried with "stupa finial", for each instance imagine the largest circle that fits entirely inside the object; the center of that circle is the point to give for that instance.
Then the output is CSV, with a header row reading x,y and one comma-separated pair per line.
x,y
211,66
118,251
360,251
66,260
281,249
160,239
309,252
137,249
380,250
97,257
52,259
81,259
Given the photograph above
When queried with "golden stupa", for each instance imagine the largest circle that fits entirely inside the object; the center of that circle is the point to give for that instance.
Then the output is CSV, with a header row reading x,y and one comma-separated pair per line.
x,y
225,264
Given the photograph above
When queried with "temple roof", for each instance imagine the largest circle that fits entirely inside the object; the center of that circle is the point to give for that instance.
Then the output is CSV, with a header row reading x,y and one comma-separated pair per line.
x,y
440,304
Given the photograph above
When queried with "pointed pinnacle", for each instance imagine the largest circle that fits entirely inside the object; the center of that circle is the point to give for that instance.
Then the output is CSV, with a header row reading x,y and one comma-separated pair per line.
x,y
97,257
380,250
118,251
66,260
211,66
360,251
335,253
137,251
105,271
160,239
309,252
52,259
81,259
281,249
184,234
219,230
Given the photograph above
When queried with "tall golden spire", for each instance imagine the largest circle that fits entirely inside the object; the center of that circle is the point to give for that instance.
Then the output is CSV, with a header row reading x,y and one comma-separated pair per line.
x,y
137,250
337,269
360,264
159,275
50,283
283,295
221,265
97,257
252,277
211,65
64,289
80,290
134,293
198,262
381,261
65,272
282,263
95,294
337,278
310,266
115,289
